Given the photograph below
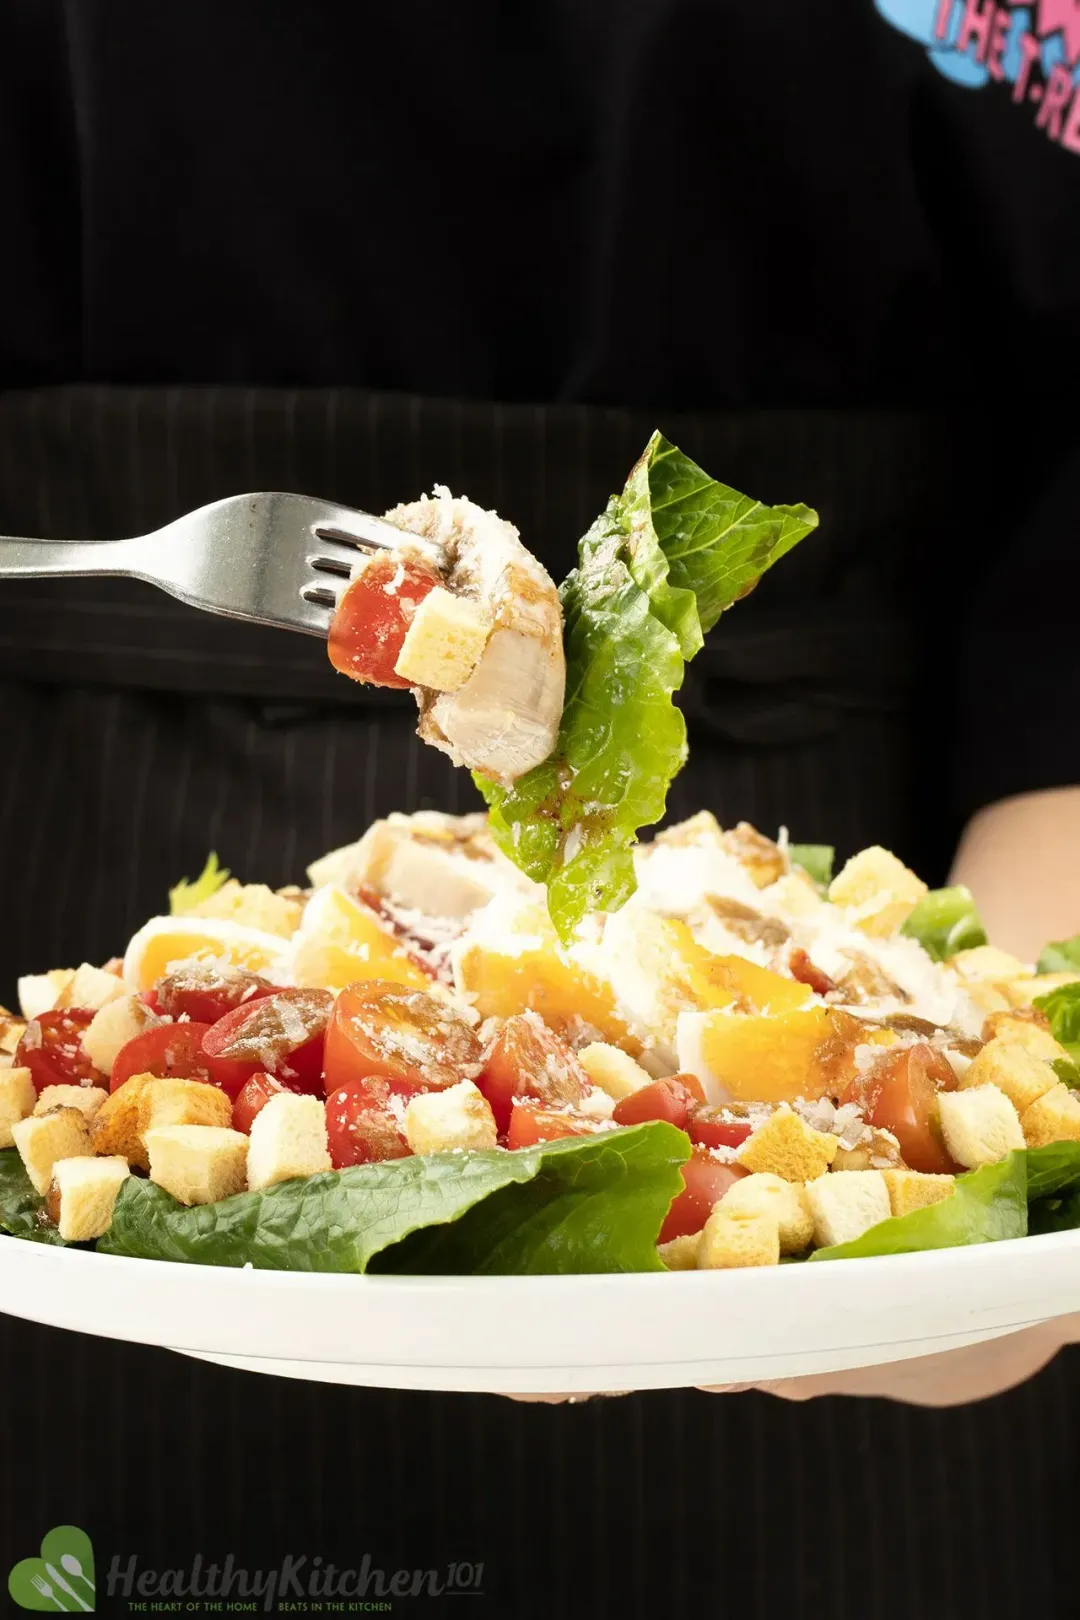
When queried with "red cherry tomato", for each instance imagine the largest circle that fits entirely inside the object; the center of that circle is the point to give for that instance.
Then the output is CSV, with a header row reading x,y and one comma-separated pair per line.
x,y
531,1123
51,1048
280,1034
253,1097
385,1029
709,1129
360,1124
805,971
205,993
168,1051
705,1181
664,1099
374,615
526,1059
899,1094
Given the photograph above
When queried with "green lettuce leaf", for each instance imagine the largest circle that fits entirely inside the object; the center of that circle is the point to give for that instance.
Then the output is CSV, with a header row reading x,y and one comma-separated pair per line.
x,y
1062,1008
816,861
187,895
986,1206
945,921
654,574
582,1204
21,1208
1061,957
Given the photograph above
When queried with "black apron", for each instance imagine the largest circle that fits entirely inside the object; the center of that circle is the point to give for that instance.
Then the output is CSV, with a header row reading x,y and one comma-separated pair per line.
x,y
137,735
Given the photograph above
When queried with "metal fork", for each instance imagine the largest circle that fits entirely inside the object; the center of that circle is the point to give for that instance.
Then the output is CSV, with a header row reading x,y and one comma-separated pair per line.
x,y
270,558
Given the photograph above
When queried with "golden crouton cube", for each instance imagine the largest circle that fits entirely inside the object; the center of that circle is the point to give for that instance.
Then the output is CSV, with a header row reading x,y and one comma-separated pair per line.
x,y
1026,1030
115,1127
1025,990
847,1203
987,962
739,1238
288,1139
455,1117
763,859
82,1196
112,1026
784,1145
12,1030
784,1201
910,1189
43,1138
1006,1064
1055,1117
795,894
91,988
182,1102
87,1099
980,1125
878,890
41,992
17,1099
681,1253
253,905
701,829
613,1070
198,1164
444,641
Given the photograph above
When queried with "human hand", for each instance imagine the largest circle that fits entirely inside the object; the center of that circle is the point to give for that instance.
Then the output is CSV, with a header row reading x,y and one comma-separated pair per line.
x,y
954,1378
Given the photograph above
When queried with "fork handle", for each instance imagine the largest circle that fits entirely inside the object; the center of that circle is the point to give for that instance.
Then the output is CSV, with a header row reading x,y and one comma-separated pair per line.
x,y
36,559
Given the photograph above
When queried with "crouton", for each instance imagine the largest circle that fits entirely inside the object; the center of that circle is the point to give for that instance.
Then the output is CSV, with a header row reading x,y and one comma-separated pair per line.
x,y
444,641
254,906
980,1125
737,1238
198,1164
784,1200
17,1100
1021,1029
847,1203
115,1127
40,992
784,1145
878,890
681,1253
1054,1117
91,988
83,1194
288,1139
910,1189
1005,1063
182,1102
613,1070
112,1026
43,1138
87,1099
794,895
12,1030
456,1117
761,857
987,962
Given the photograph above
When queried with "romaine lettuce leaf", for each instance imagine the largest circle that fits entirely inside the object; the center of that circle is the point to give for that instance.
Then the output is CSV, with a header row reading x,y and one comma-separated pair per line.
x,y
986,1206
654,574
1062,1008
582,1204
1061,957
187,895
816,861
21,1208
945,921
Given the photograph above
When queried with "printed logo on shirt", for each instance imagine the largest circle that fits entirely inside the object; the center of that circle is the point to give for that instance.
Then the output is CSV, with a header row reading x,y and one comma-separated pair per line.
x,y
1034,49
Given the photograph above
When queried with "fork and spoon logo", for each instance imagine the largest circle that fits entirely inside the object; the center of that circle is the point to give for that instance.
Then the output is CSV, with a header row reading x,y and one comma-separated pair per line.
x,y
61,1581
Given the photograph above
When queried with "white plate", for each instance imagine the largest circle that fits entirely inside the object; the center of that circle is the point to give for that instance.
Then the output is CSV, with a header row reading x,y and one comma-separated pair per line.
x,y
567,1334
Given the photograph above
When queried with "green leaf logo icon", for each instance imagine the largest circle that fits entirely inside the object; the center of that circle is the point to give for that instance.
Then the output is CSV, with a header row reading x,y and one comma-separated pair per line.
x,y
61,1581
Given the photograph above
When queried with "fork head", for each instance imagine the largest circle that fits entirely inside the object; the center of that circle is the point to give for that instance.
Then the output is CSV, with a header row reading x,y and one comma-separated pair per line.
x,y
276,558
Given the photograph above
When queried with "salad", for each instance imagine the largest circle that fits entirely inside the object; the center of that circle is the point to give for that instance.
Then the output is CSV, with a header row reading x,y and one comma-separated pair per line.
x,y
522,1041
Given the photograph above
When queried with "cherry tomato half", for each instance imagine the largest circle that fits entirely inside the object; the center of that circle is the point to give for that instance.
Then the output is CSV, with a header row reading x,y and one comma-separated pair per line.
x,y
526,1059
531,1123
360,1124
168,1051
252,1098
205,993
386,1029
705,1181
280,1034
374,615
709,1129
899,1094
51,1048
664,1099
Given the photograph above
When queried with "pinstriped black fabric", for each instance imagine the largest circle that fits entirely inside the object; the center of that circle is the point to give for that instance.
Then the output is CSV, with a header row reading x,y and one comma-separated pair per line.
x,y
121,769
